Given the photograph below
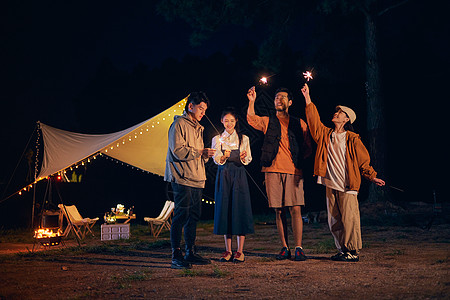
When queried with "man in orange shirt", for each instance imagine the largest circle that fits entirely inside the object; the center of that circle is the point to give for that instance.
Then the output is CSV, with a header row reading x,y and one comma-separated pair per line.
x,y
286,144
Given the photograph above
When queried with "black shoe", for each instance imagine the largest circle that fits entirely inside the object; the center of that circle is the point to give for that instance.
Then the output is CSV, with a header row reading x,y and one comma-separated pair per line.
x,y
178,261
347,256
351,257
285,253
194,258
299,254
337,256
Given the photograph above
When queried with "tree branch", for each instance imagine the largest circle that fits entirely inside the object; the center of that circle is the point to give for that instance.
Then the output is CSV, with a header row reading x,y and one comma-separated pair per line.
x,y
392,7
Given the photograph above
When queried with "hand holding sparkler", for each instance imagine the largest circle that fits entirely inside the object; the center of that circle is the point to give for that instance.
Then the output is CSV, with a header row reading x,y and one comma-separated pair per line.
x,y
251,94
305,92
378,181
226,154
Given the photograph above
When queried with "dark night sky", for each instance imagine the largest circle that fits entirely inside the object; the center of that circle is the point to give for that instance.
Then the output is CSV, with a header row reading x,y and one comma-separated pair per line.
x,y
51,50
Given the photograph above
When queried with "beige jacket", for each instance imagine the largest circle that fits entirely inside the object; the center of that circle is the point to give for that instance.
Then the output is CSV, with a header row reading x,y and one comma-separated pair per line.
x,y
184,162
357,157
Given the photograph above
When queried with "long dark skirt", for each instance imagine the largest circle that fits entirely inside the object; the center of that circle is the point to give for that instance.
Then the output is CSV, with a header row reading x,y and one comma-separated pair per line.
x,y
233,210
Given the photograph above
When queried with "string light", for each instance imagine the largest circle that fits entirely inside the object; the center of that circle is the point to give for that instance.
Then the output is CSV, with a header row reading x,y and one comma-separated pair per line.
x,y
148,126
89,159
212,202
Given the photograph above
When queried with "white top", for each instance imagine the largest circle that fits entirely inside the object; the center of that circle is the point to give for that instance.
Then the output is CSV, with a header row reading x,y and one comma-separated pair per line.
x,y
336,177
230,142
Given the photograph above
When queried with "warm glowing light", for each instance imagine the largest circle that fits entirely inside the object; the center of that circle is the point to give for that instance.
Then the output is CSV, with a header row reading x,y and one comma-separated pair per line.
x,y
263,80
307,75
46,233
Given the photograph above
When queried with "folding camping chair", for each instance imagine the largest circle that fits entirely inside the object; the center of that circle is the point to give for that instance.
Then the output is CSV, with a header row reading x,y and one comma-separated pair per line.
x,y
163,220
75,221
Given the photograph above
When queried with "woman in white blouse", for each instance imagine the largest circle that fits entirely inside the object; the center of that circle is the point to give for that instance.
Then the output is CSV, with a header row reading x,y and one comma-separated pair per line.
x,y
233,211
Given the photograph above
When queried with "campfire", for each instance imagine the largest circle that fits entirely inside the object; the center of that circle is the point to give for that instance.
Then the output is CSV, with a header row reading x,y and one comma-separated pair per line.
x,y
47,236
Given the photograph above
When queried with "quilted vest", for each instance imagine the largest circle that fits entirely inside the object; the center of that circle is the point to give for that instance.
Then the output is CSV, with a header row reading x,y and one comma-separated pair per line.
x,y
272,139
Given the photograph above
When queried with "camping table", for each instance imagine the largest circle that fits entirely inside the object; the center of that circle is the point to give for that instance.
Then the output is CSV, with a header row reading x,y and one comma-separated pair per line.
x,y
126,218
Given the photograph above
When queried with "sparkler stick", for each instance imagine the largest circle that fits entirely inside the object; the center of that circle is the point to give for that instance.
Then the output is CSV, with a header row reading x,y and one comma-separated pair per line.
x,y
396,188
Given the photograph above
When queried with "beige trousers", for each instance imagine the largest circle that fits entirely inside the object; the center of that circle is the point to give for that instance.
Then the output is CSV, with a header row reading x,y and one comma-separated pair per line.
x,y
344,220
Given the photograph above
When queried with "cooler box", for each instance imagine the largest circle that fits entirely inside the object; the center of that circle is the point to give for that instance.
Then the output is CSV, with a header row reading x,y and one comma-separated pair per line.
x,y
115,232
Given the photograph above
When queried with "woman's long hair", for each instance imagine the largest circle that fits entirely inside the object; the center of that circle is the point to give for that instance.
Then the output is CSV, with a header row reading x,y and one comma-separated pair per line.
x,y
232,111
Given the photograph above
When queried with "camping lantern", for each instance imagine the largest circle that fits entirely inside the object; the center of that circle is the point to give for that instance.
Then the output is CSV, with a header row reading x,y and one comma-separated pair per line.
x,y
110,218
120,209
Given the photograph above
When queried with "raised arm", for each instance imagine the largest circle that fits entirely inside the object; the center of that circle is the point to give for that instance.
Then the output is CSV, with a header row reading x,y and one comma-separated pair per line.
x,y
316,127
305,92
251,95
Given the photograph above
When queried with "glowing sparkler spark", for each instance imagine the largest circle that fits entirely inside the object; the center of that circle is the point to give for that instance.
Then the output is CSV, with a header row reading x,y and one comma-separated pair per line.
x,y
265,79
307,75
226,141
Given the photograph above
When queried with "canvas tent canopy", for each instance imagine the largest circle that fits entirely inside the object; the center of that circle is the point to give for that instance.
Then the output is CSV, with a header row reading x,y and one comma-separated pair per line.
x,y
143,146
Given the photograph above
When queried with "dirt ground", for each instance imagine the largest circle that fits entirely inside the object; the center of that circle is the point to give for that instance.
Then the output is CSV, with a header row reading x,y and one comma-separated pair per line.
x,y
397,262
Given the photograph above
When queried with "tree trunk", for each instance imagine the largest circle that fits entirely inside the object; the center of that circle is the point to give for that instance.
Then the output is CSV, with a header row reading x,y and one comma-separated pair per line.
x,y
375,108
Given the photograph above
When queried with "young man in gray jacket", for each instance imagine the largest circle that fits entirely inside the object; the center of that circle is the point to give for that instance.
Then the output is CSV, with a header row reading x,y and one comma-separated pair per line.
x,y
185,170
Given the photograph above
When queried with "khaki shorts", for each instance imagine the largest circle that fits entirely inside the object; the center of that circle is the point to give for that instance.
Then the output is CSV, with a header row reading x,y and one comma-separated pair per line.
x,y
284,189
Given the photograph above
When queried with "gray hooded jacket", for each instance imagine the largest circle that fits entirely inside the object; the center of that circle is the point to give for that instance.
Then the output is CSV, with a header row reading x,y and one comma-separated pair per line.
x,y
184,162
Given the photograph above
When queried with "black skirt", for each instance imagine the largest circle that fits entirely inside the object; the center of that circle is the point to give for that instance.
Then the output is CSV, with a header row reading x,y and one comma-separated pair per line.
x,y
233,210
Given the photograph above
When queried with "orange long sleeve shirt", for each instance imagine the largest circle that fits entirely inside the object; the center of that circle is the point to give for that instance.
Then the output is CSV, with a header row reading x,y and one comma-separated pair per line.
x,y
282,163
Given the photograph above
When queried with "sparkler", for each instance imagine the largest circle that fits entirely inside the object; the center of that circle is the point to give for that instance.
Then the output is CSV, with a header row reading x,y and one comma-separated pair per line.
x,y
265,79
226,142
307,75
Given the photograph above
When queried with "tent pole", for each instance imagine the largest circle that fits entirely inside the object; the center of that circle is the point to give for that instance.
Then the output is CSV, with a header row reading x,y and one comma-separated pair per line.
x,y
32,208
35,174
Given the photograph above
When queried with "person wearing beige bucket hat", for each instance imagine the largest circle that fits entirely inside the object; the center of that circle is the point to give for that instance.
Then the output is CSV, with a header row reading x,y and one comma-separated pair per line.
x,y
350,113
340,162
